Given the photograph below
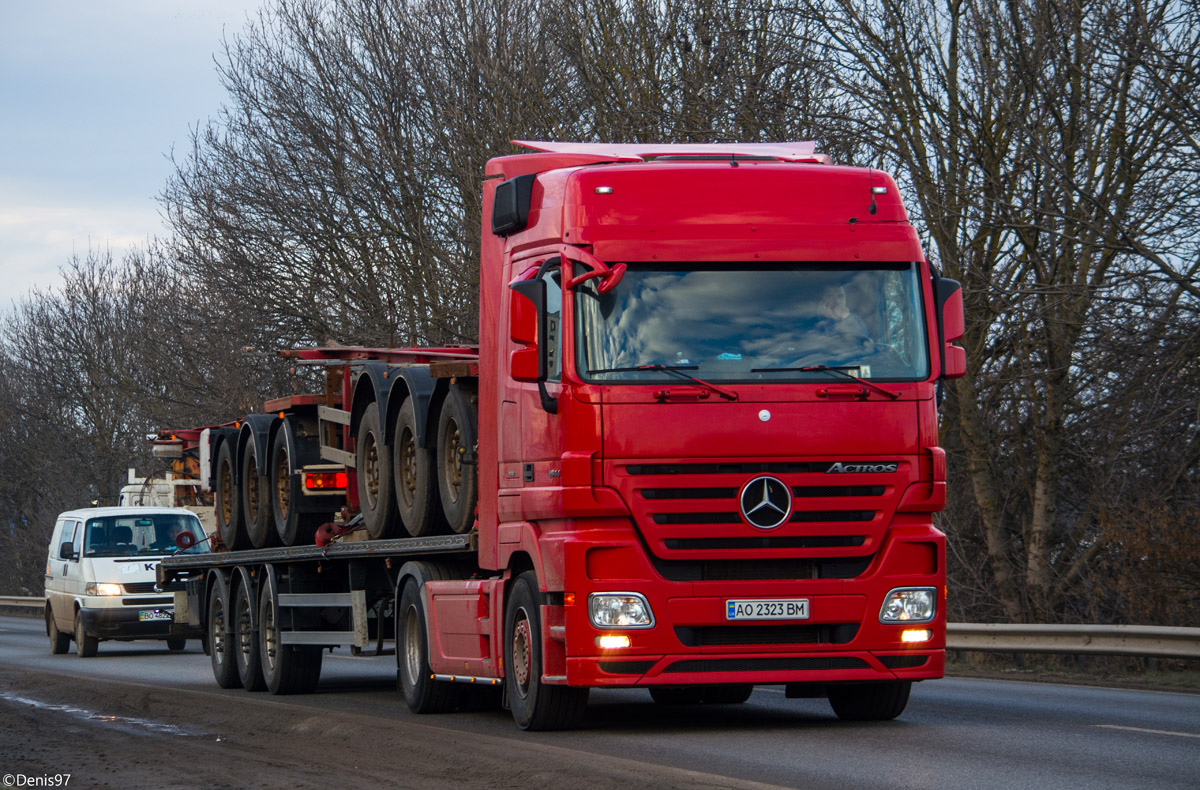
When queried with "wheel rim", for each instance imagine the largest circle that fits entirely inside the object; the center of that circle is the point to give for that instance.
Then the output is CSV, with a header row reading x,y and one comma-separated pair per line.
x,y
283,483
226,488
370,471
270,638
452,461
412,645
522,652
245,632
408,467
216,636
251,489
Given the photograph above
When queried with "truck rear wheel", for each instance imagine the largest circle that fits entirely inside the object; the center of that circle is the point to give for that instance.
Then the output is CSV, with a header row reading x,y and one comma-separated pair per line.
x,y
293,527
230,517
374,466
220,646
256,501
421,692
457,479
59,642
287,669
535,706
416,477
245,642
870,701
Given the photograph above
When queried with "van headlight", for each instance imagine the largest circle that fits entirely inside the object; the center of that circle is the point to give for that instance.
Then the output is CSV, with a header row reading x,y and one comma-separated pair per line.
x,y
909,605
620,610
102,588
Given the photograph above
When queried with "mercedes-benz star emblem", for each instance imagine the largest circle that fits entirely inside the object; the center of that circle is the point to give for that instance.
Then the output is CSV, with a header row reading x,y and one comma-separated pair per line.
x,y
766,502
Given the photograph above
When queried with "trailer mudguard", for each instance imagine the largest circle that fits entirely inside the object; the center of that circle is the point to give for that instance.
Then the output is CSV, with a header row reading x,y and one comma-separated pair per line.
x,y
256,428
216,437
419,386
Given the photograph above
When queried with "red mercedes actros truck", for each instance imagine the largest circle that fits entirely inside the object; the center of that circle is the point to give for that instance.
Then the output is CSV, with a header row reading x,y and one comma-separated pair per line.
x,y
695,451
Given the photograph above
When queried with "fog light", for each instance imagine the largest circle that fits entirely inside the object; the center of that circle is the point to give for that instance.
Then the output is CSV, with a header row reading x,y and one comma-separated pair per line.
x,y
613,641
620,610
102,588
916,635
909,605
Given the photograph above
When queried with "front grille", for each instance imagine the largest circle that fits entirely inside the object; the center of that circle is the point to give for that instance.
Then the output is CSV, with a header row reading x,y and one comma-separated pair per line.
x,y
761,569
809,634
160,601
798,517
811,542
141,588
688,493
766,664
903,662
772,468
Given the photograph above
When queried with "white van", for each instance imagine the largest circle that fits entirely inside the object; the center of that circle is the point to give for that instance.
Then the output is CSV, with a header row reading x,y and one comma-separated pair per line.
x,y
100,576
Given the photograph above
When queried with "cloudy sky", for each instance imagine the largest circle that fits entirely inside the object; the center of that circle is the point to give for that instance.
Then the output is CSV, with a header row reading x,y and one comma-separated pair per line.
x,y
93,97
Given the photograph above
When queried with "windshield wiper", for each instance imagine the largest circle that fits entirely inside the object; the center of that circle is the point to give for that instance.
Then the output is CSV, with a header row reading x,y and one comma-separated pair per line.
x,y
674,370
829,369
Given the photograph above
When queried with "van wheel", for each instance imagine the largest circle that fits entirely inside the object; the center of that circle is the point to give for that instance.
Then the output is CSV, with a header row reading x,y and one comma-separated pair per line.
x,y
416,478
85,645
176,643
59,642
457,478
220,643
374,467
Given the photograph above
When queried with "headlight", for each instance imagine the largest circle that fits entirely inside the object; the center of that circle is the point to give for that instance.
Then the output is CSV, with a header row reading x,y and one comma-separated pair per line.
x,y
909,605
102,588
620,610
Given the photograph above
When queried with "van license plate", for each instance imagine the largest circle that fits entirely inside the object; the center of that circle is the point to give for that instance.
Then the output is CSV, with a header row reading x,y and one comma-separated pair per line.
x,y
775,609
153,614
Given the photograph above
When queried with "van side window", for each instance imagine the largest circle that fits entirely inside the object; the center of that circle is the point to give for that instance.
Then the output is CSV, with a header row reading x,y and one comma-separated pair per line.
x,y
77,529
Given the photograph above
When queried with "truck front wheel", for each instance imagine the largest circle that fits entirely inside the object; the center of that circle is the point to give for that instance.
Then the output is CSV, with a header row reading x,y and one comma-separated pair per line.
x,y
870,701
535,706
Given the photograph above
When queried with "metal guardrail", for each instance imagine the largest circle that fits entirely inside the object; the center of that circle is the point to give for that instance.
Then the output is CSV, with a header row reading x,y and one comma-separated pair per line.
x,y
1100,640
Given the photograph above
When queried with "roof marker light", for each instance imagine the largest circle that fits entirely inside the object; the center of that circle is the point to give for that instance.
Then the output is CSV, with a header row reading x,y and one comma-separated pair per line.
x,y
603,190
879,190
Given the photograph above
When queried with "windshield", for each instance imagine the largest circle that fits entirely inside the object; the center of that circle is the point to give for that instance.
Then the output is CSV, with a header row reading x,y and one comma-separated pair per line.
x,y
750,322
133,535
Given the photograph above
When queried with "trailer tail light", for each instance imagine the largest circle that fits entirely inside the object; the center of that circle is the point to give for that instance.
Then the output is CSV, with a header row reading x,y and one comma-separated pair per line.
x,y
326,482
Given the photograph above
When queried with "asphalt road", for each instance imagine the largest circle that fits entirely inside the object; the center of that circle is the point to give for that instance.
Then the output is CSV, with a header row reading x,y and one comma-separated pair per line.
x,y
955,733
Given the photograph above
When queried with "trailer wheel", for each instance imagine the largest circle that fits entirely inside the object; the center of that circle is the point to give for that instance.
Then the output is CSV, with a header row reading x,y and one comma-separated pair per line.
x,y
245,642
421,692
870,701
230,517
85,644
287,669
457,479
220,646
534,706
375,477
256,501
416,477
293,527
59,642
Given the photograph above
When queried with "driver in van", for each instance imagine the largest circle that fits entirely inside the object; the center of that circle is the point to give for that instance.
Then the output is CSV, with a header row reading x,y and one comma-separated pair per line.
x,y
166,535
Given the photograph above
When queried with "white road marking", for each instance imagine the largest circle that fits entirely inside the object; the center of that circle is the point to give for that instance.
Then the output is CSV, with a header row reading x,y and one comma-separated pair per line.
x,y
1152,732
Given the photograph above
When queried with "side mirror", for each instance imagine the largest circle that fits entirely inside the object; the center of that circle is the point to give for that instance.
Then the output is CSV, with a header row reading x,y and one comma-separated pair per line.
x,y
66,552
528,327
951,325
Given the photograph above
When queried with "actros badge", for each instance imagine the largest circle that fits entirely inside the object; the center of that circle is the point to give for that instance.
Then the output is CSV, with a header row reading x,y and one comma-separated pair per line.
x,y
766,502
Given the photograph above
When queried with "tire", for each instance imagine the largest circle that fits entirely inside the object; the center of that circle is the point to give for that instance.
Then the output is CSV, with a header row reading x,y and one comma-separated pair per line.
x,y
85,645
293,527
286,669
220,642
458,482
732,694
421,692
374,466
677,695
245,641
415,483
256,501
228,499
870,701
534,706
59,642
176,643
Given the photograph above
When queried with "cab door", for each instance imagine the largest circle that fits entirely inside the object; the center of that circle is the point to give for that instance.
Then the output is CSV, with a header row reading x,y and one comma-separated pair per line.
x,y
542,439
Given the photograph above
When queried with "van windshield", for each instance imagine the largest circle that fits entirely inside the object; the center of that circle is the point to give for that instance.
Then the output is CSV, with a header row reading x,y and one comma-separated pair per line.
x,y
139,535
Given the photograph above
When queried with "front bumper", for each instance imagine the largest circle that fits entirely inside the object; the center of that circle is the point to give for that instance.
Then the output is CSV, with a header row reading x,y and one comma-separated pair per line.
x,y
124,622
